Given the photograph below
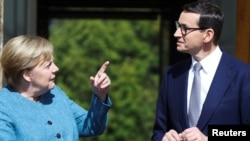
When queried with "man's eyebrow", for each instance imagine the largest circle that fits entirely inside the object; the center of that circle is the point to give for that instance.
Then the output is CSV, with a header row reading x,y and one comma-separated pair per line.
x,y
182,24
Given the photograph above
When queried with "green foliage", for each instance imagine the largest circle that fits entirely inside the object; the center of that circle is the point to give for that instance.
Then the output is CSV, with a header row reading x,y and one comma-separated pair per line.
x,y
81,46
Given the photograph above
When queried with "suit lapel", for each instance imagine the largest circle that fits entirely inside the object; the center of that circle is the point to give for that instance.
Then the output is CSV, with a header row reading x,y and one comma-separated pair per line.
x,y
180,92
220,84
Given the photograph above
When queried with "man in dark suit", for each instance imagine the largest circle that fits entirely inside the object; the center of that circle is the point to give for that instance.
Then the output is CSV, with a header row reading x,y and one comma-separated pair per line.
x,y
224,80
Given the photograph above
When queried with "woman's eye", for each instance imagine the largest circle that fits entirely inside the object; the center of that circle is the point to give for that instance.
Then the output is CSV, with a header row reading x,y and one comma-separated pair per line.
x,y
49,65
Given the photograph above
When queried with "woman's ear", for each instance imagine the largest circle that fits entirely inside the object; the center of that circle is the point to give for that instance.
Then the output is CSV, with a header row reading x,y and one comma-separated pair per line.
x,y
27,75
208,35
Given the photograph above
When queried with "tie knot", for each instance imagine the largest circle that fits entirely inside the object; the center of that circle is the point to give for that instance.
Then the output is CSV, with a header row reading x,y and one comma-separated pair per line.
x,y
197,67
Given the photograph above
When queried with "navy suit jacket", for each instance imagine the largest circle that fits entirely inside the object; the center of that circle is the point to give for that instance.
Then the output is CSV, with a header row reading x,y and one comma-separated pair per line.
x,y
227,101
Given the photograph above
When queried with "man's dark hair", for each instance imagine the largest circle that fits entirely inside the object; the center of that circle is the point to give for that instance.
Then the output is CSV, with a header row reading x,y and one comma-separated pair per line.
x,y
210,16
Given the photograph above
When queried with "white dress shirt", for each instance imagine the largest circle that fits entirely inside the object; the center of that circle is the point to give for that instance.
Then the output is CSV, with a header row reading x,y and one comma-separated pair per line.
x,y
209,67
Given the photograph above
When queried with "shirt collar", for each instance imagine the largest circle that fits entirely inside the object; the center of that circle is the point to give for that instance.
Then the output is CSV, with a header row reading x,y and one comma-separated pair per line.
x,y
210,62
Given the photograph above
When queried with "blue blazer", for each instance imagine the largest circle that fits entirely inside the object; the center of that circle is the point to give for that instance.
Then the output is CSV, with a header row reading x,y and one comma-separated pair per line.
x,y
227,101
53,117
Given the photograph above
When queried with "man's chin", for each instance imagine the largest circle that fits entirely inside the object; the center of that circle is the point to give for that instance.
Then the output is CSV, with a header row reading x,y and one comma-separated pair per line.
x,y
180,49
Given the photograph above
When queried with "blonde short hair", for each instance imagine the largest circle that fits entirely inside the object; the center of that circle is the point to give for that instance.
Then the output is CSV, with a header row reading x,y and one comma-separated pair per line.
x,y
21,53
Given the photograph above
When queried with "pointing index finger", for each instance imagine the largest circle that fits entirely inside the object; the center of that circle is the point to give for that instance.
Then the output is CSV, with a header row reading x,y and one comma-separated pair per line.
x,y
103,68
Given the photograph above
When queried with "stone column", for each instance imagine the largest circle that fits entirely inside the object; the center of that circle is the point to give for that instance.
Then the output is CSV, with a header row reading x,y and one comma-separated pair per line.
x,y
1,37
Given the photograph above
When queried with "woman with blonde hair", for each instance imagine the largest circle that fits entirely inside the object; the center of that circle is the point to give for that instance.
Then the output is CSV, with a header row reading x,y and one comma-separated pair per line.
x,y
34,108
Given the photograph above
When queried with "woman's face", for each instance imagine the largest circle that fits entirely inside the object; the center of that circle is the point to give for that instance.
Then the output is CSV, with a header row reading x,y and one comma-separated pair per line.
x,y
42,76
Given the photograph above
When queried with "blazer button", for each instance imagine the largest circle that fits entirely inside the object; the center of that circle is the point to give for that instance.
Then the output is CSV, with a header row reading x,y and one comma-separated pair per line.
x,y
49,122
58,135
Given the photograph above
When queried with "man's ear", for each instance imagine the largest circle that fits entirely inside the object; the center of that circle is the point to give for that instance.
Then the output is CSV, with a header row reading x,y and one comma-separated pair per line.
x,y
208,35
27,75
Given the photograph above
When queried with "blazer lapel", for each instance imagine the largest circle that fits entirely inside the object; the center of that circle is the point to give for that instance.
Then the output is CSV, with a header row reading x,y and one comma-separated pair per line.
x,y
223,74
180,92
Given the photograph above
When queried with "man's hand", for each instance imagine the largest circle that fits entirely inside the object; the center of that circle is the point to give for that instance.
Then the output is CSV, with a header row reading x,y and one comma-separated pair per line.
x,y
193,134
172,135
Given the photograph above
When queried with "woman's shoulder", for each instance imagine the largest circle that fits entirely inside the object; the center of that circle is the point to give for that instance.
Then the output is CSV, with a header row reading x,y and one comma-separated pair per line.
x,y
7,93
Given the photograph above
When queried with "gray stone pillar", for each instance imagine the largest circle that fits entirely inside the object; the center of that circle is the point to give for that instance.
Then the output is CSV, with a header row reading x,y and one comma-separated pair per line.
x,y
1,37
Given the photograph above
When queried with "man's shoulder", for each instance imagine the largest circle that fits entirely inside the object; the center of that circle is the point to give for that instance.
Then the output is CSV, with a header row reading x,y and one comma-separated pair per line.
x,y
233,61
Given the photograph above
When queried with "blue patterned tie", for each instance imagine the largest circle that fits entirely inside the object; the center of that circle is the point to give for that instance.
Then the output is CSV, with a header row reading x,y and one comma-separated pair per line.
x,y
194,102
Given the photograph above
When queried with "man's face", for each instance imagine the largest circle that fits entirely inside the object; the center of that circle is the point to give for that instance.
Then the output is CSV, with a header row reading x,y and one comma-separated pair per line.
x,y
188,34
